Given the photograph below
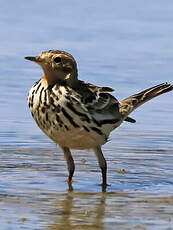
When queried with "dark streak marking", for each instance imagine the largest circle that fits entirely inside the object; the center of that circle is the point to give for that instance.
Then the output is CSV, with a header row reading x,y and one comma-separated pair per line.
x,y
43,109
50,87
96,122
51,101
69,105
59,91
67,128
86,129
32,98
40,95
69,118
67,97
47,117
58,109
45,96
36,83
75,100
57,118
97,130
38,88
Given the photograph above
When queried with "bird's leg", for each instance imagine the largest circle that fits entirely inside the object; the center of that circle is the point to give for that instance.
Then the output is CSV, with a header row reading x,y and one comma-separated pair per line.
x,y
103,166
70,164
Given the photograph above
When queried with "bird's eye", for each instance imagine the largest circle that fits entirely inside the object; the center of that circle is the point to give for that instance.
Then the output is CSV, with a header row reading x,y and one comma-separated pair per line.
x,y
57,60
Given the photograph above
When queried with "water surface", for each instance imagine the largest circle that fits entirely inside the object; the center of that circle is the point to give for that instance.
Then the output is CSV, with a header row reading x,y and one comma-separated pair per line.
x,y
126,45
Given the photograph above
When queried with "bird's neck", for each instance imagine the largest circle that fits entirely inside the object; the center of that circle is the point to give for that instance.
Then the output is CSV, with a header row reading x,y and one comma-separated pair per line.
x,y
71,81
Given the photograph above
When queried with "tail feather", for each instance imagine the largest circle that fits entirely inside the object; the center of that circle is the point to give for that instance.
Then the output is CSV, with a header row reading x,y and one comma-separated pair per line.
x,y
131,120
131,103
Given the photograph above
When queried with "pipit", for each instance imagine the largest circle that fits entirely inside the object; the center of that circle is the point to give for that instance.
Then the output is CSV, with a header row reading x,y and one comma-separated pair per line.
x,y
76,114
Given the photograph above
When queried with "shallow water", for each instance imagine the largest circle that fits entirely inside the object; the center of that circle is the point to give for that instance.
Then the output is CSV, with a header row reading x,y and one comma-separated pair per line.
x,y
127,46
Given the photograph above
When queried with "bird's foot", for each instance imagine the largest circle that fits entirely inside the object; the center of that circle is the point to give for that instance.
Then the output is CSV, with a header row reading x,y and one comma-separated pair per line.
x,y
104,187
70,187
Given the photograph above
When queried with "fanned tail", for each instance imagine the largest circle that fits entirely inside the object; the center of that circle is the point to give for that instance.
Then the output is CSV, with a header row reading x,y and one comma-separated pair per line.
x,y
131,103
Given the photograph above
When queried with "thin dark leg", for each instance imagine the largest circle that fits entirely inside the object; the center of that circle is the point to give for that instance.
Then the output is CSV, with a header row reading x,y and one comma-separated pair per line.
x,y
70,164
103,166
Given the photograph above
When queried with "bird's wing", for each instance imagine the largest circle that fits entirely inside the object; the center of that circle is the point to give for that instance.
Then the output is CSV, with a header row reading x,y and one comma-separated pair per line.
x,y
96,98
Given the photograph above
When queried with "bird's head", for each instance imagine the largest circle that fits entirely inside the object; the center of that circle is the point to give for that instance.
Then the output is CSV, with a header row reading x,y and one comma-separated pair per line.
x,y
57,65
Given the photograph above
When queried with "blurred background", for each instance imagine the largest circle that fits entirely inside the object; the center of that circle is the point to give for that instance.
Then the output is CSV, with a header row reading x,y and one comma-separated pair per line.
x,y
123,44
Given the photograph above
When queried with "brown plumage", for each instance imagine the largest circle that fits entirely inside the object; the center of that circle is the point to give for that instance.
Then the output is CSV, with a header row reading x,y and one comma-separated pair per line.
x,y
76,114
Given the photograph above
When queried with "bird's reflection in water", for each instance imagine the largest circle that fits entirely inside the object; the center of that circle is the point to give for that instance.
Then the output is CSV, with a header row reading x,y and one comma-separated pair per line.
x,y
80,211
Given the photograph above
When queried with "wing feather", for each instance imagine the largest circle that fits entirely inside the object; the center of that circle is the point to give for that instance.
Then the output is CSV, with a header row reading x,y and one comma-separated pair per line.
x,y
95,98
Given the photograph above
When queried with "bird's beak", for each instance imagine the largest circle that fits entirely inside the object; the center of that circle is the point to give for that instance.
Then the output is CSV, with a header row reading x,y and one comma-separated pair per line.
x,y
35,59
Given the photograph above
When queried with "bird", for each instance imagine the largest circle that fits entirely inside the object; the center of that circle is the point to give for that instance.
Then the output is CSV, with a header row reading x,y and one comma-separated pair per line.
x,y
76,114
